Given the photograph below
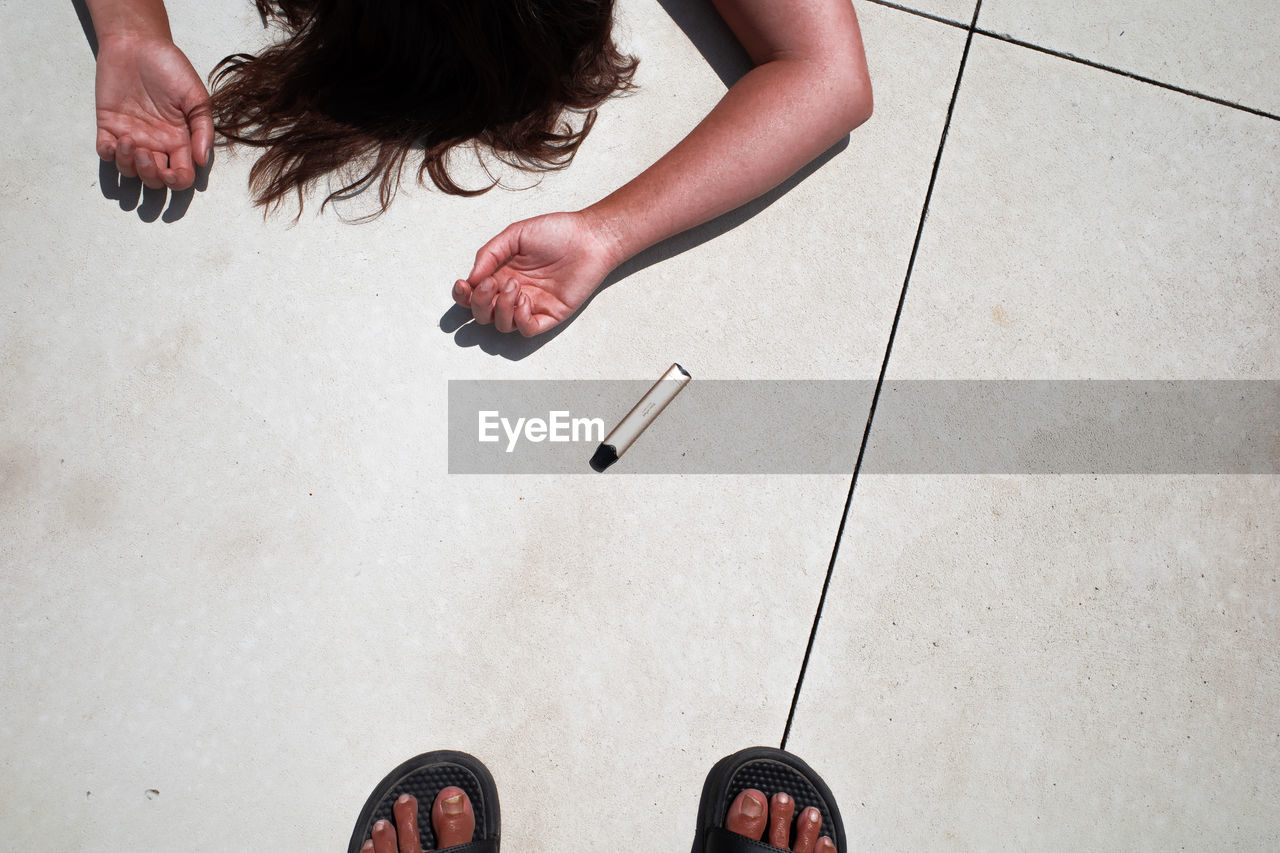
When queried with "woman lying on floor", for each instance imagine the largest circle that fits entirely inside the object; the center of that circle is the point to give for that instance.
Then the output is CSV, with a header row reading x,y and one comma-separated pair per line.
x,y
376,83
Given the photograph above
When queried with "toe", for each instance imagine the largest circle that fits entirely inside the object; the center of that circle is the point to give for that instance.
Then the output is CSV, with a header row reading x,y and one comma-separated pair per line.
x,y
781,809
807,828
748,814
384,837
452,818
406,814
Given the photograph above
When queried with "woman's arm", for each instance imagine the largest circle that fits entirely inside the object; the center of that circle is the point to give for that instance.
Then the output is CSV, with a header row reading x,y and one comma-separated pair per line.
x,y
153,109
129,18
809,87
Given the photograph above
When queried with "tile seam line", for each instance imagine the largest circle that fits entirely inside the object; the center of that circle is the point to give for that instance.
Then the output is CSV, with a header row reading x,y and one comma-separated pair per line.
x,y
1150,81
1069,57
884,366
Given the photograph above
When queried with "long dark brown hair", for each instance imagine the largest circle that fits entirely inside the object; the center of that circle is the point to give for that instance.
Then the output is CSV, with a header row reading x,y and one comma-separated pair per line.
x,y
371,82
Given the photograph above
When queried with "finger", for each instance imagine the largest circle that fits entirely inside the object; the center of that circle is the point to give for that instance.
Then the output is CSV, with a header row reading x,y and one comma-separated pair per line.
x,y
462,293
825,845
200,126
125,159
384,837
781,809
529,323
181,172
147,167
482,297
807,828
106,145
504,307
495,253
406,814
747,814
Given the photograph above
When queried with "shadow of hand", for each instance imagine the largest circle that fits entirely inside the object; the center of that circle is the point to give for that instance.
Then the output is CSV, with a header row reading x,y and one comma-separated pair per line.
x,y
149,203
512,346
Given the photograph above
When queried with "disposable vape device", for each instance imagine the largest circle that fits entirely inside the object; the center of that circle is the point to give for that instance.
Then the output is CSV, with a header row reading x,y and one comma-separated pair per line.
x,y
641,415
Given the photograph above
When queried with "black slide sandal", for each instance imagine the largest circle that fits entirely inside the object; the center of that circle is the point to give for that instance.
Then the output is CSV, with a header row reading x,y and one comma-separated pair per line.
x,y
769,771
422,778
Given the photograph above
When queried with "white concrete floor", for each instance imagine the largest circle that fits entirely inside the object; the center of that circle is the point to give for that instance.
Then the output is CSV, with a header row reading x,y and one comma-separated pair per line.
x,y
240,585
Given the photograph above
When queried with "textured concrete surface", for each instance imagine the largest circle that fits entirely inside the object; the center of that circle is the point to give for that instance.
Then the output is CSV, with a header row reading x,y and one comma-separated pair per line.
x,y
240,584
957,11
1068,662
1226,52
1052,663
1103,229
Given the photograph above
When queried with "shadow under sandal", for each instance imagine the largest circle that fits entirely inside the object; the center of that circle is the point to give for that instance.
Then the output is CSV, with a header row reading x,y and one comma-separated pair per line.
x,y
422,778
769,771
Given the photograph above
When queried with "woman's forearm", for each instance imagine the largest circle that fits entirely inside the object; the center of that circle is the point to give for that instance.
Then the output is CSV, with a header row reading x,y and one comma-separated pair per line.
x,y
798,102
127,18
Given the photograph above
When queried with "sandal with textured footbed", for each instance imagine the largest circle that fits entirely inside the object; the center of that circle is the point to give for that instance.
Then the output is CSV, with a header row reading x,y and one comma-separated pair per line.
x,y
769,771
423,777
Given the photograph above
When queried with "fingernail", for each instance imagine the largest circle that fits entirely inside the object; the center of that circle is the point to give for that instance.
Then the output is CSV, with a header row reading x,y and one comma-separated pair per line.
x,y
452,805
509,286
751,807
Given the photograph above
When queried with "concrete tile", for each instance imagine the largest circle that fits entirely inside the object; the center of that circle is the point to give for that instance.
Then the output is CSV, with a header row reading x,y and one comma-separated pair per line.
x,y
1085,226
1226,52
1067,662
1051,663
237,571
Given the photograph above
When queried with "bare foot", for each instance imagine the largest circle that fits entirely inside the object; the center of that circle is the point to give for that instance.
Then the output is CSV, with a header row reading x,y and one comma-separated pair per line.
x,y
751,814
452,819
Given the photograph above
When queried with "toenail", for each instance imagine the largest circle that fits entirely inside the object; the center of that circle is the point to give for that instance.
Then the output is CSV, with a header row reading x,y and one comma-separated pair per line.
x,y
751,807
381,825
404,798
452,805
783,799
812,815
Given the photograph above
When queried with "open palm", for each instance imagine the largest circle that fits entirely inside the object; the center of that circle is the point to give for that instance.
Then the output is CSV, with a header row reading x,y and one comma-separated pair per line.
x,y
536,273
153,112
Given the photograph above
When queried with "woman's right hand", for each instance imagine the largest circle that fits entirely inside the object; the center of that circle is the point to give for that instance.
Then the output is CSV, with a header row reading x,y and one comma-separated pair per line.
x,y
154,120
536,273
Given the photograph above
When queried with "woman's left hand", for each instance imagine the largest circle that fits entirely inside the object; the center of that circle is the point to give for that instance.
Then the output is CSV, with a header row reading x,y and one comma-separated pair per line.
x,y
537,272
